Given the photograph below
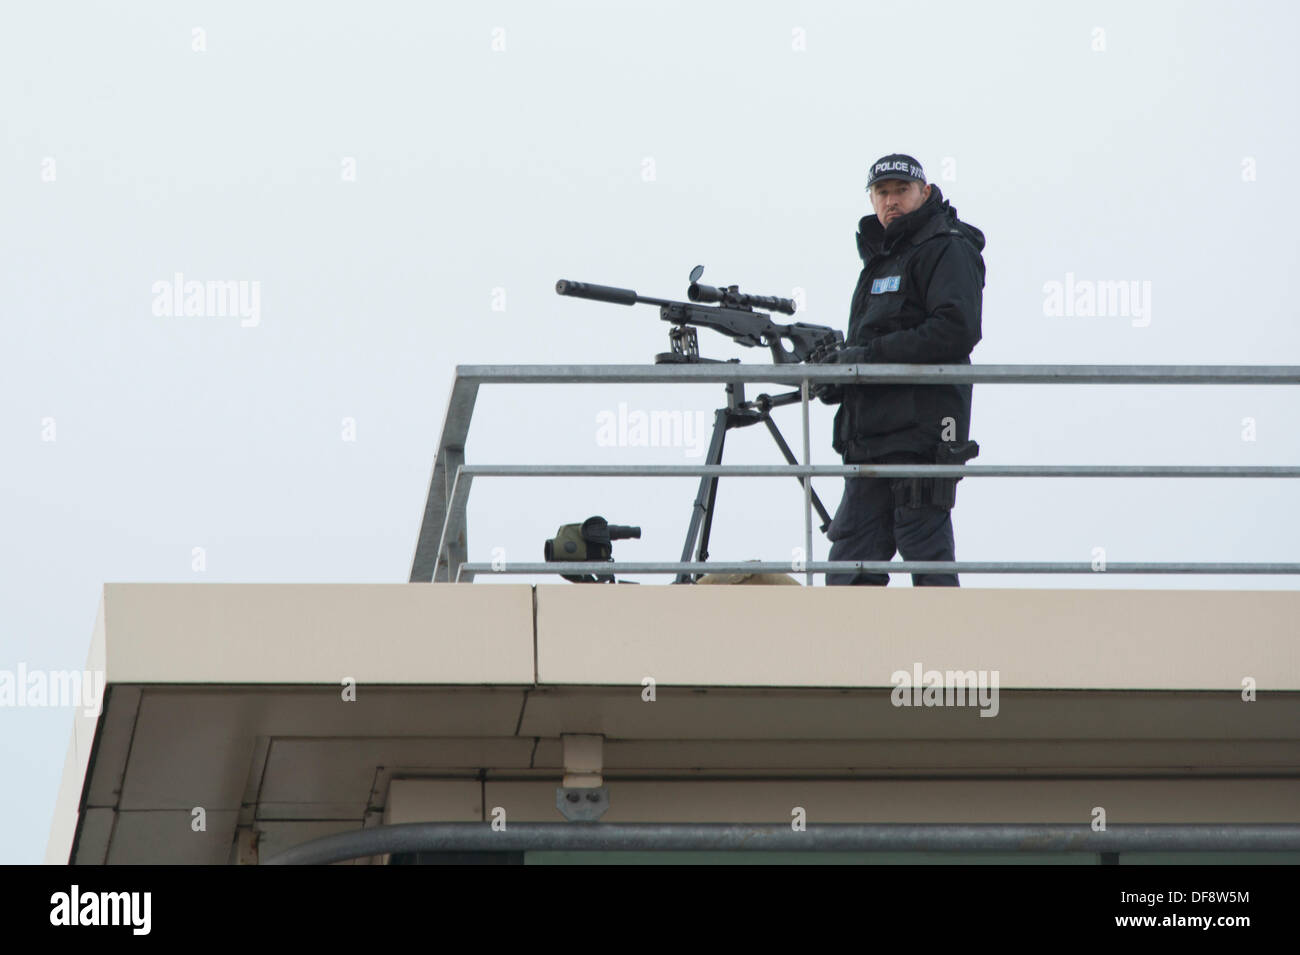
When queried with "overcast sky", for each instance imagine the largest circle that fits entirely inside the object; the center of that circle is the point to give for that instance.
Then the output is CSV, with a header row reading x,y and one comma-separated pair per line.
x,y
401,185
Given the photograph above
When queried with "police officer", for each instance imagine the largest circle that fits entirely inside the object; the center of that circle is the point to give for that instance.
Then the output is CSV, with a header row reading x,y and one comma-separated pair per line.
x,y
917,301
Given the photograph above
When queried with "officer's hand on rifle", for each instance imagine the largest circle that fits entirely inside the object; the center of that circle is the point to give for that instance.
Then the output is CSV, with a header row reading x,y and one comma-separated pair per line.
x,y
835,353
818,355
846,355
828,394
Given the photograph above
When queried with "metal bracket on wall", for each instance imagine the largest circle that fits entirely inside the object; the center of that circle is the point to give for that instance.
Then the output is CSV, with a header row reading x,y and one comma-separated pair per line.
x,y
581,804
582,795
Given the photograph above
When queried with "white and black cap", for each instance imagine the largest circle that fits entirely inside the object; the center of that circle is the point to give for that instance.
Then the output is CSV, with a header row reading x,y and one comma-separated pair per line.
x,y
896,166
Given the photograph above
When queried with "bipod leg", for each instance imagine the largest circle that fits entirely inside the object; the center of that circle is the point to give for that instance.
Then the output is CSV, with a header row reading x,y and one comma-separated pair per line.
x,y
702,512
791,459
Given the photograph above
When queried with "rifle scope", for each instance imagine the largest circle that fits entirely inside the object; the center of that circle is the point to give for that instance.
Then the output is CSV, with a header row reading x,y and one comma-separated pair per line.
x,y
698,292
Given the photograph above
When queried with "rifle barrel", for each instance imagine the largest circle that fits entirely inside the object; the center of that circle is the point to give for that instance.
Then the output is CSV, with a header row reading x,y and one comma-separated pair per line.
x,y
606,293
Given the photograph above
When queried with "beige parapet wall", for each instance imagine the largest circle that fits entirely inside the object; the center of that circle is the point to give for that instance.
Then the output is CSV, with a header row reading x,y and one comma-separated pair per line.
x,y
859,636
693,636
318,633
209,682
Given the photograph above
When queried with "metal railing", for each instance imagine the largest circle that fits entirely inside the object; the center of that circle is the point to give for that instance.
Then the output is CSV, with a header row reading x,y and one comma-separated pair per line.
x,y
441,552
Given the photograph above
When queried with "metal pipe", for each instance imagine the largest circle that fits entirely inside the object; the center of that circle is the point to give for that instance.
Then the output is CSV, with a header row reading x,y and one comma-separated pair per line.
x,y
780,837
885,374
879,470
877,567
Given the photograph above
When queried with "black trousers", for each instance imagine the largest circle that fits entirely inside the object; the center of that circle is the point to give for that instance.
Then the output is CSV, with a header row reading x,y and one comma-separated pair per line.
x,y
867,526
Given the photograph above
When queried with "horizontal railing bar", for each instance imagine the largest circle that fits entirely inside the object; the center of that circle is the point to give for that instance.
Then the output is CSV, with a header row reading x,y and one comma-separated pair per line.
x,y
885,373
873,566
876,470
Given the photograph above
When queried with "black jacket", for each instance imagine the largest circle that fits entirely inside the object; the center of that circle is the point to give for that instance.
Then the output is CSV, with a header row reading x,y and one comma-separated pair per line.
x,y
918,302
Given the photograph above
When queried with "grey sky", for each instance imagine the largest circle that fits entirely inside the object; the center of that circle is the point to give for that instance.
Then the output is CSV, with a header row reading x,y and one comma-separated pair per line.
x,y
481,169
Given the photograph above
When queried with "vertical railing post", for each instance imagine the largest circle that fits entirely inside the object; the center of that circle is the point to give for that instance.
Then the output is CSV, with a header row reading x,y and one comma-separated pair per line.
x,y
807,486
455,535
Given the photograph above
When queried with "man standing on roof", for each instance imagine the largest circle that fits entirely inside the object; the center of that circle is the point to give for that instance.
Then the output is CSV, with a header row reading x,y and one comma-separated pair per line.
x,y
918,301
